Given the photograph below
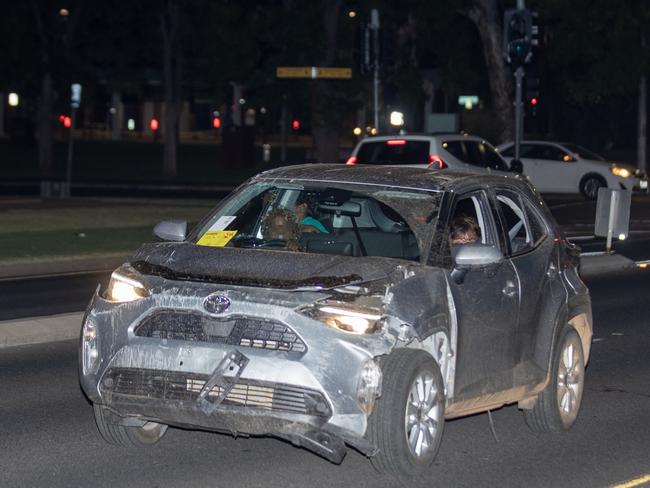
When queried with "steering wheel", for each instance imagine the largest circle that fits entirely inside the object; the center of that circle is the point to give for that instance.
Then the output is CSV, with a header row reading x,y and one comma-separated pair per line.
x,y
273,243
256,242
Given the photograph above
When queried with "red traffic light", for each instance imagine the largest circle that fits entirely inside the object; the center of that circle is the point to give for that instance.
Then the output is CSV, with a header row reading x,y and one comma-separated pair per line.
x,y
154,124
295,124
533,101
216,122
67,122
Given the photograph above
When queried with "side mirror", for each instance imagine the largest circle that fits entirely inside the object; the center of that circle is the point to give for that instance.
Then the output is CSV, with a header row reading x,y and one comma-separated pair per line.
x,y
516,166
473,256
171,230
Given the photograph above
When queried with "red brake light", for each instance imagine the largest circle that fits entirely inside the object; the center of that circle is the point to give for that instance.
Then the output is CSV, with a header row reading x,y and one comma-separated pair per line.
x,y
351,160
395,142
436,162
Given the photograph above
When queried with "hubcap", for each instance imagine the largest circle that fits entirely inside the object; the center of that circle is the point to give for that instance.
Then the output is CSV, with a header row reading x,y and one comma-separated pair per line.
x,y
423,415
570,379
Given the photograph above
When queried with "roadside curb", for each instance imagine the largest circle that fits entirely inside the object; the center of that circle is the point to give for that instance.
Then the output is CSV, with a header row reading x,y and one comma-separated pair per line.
x,y
38,330
595,264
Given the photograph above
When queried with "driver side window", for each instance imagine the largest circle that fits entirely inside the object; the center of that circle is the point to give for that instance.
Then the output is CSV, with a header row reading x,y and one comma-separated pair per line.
x,y
469,222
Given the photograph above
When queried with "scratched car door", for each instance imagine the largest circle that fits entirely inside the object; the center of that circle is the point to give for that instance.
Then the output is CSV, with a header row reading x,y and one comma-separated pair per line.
x,y
487,304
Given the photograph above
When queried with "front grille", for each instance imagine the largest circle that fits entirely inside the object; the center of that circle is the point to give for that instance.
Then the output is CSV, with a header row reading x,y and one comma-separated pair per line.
x,y
188,325
175,385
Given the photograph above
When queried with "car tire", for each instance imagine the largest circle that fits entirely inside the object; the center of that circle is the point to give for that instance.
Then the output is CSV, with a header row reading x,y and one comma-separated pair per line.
x,y
557,407
590,185
407,422
114,433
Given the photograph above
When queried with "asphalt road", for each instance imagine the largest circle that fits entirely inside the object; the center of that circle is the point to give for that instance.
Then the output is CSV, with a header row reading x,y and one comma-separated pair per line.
x,y
48,436
48,295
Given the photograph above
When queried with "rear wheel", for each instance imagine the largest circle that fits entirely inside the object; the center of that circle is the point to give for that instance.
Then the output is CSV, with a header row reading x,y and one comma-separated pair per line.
x,y
407,423
590,185
114,433
558,405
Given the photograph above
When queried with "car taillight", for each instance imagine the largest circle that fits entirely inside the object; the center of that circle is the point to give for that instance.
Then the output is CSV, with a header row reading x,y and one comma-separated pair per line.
x,y
395,142
351,160
436,162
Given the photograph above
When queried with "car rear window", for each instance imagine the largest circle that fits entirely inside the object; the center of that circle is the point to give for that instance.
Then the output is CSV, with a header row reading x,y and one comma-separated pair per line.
x,y
476,154
394,151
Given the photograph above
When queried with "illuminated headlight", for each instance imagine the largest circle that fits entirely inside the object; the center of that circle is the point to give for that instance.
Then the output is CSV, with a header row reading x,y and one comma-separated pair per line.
x,y
622,172
348,318
124,289
369,387
89,348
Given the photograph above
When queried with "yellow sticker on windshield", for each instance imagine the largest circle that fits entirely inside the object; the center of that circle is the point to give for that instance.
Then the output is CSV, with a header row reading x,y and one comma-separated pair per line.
x,y
216,238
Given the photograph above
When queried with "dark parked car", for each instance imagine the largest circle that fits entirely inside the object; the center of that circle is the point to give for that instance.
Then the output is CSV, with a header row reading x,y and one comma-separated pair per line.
x,y
331,306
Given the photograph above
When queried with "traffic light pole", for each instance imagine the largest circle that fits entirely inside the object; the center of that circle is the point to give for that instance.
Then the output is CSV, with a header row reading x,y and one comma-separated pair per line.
x,y
374,25
68,172
519,122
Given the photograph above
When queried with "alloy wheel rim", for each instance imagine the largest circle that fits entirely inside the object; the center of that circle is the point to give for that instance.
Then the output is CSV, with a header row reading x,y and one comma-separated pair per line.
x,y
423,415
570,378
591,187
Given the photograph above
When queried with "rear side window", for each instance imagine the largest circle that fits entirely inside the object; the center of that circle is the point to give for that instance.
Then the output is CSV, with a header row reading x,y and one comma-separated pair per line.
x,y
549,153
394,151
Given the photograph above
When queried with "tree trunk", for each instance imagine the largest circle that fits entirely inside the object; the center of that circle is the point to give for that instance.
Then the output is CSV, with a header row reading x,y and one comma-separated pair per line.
x,y
2,115
324,128
171,79
484,14
44,127
641,138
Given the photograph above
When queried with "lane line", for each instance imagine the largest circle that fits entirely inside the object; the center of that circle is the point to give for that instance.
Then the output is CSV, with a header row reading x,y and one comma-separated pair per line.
x,y
635,482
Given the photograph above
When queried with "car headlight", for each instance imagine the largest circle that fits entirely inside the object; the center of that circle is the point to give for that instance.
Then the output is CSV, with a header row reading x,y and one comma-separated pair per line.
x,y
89,347
346,317
622,172
124,289
369,386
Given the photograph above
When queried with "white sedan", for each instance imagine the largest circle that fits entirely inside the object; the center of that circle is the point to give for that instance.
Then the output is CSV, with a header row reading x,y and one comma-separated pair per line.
x,y
568,168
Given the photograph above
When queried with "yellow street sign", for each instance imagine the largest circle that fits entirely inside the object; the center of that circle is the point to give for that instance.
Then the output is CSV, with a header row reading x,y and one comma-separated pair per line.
x,y
334,72
313,72
293,72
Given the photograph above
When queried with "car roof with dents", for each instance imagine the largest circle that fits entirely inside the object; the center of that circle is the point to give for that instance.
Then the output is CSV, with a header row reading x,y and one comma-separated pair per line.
x,y
389,176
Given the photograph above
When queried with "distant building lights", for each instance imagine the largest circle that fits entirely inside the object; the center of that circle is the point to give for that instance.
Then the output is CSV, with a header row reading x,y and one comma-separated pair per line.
x,y
356,131
64,12
13,99
352,14
67,122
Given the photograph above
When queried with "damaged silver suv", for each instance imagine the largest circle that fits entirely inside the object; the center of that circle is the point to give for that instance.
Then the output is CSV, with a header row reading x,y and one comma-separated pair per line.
x,y
337,306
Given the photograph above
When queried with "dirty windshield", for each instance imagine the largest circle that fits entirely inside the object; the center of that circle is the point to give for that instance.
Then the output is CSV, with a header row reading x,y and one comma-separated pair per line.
x,y
348,220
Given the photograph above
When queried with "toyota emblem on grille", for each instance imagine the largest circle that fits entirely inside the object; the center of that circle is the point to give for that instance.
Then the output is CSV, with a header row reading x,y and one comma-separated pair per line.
x,y
216,303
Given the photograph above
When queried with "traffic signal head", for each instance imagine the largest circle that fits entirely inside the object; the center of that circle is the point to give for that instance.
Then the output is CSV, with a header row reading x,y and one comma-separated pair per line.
x,y
216,122
295,124
517,36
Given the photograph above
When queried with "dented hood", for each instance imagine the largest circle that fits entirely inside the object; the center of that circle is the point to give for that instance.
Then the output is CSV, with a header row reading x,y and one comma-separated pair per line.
x,y
254,267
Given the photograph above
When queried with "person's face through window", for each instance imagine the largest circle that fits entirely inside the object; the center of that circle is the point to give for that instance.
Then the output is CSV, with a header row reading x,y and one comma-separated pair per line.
x,y
279,228
464,230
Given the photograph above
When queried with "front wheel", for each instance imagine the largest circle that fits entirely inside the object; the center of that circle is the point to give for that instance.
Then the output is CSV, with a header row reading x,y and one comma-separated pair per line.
x,y
114,433
558,405
591,185
408,420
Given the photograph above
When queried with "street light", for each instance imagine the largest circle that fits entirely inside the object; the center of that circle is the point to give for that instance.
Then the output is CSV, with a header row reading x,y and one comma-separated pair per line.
x,y
13,99
396,119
